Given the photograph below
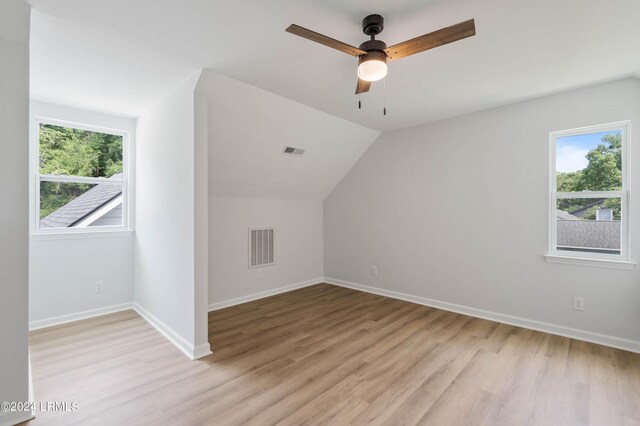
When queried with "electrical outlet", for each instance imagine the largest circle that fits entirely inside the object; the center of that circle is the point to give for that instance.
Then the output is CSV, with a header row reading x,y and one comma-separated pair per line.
x,y
578,303
258,273
99,287
374,270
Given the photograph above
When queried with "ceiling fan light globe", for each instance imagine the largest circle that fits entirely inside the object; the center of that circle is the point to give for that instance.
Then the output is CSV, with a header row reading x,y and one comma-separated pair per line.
x,y
372,70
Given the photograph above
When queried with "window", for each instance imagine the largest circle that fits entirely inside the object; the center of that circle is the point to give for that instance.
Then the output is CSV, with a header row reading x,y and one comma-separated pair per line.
x,y
589,196
80,178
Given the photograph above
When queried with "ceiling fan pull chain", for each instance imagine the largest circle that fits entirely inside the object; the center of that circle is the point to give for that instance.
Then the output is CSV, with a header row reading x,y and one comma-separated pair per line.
x,y
359,97
384,97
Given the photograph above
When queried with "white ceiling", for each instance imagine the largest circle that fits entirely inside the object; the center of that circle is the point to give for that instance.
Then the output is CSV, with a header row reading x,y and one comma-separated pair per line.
x,y
120,55
75,66
248,130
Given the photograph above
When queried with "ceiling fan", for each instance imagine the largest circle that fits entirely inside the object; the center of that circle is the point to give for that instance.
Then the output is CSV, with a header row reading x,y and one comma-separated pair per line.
x,y
373,54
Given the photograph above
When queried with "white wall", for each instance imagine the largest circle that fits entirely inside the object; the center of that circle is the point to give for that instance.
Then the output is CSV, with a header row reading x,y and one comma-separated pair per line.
x,y
248,130
252,184
298,246
62,270
457,211
165,286
14,122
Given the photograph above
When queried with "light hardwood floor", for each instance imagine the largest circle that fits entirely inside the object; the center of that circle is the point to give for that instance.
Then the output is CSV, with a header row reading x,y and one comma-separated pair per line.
x,y
329,355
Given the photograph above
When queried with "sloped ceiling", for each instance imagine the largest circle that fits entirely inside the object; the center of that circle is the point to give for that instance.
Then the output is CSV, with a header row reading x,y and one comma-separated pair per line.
x,y
248,130
523,49
121,56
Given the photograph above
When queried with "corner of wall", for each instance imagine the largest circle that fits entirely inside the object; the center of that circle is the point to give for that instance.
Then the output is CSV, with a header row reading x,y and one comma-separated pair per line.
x,y
170,282
14,227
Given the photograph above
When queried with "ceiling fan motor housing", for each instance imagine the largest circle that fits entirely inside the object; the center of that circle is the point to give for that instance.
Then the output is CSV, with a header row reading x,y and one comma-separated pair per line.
x,y
375,51
373,55
373,25
373,45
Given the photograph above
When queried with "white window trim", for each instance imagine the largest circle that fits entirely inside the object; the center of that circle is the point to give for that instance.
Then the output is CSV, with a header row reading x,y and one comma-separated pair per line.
x,y
37,233
583,261
621,261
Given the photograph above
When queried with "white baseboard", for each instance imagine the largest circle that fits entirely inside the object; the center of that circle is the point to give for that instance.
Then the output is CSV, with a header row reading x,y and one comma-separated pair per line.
x,y
188,349
180,342
261,295
11,418
201,351
587,336
63,319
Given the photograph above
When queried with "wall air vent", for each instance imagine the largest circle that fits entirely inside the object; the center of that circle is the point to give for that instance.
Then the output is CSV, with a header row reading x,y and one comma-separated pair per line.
x,y
261,247
292,150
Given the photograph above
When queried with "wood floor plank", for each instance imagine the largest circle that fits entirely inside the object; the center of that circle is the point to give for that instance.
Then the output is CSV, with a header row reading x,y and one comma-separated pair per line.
x,y
329,355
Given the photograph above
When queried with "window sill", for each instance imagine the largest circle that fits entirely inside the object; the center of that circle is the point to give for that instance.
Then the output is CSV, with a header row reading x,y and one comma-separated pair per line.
x,y
49,236
592,262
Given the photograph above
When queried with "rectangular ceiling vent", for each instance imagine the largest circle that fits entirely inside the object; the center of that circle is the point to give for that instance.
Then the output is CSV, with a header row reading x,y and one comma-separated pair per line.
x,y
292,150
261,247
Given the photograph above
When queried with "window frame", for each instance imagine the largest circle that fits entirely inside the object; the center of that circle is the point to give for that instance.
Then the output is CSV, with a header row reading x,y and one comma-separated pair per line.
x,y
554,255
125,228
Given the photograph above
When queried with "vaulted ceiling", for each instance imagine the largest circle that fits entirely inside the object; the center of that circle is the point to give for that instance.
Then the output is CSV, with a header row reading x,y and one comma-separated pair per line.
x,y
248,130
119,55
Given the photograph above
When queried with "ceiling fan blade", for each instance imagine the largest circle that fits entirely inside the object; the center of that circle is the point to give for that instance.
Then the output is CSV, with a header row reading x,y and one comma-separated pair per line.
x,y
323,39
362,86
429,41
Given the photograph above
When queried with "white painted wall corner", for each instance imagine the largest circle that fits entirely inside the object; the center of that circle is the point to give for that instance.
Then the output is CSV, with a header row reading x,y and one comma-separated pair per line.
x,y
187,348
